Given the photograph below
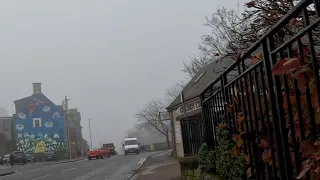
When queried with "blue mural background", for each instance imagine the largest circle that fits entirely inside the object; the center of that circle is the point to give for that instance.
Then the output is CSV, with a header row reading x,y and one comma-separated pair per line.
x,y
50,136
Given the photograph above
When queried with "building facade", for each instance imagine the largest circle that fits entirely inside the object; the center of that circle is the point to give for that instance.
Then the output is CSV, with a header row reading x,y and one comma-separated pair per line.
x,y
6,135
75,132
38,124
186,109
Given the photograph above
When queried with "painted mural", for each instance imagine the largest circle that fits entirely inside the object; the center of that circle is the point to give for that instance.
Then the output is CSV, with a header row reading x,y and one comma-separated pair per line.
x,y
39,126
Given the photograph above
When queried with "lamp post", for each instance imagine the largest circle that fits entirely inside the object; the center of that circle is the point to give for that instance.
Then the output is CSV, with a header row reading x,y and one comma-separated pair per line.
x,y
90,133
66,108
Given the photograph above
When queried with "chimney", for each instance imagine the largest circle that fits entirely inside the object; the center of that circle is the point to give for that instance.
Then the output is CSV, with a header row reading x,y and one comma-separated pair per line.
x,y
36,88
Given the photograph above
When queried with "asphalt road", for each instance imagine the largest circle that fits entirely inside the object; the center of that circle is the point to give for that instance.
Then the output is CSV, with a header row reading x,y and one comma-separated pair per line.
x,y
114,168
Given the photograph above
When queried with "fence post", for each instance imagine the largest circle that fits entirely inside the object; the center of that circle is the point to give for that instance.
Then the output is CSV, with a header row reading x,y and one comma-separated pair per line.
x,y
208,121
276,104
225,99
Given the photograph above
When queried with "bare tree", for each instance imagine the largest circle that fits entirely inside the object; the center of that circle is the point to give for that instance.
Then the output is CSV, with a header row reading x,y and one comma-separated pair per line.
x,y
150,121
195,64
225,38
233,32
173,92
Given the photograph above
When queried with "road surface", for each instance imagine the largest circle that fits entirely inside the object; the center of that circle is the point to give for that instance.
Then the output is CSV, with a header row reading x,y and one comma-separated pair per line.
x,y
114,168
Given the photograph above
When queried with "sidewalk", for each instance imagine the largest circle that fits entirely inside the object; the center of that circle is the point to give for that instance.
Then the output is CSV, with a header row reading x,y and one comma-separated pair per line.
x,y
5,170
161,167
57,162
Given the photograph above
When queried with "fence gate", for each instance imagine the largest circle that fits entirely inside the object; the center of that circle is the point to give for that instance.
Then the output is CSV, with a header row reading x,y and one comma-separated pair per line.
x,y
192,134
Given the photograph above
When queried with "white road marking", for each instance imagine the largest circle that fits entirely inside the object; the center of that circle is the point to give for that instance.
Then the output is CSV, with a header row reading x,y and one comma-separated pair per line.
x,y
139,161
142,161
85,165
68,170
42,177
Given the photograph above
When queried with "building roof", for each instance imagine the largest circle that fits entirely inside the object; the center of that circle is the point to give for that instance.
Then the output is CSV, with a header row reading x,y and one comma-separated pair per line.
x,y
6,118
25,101
205,76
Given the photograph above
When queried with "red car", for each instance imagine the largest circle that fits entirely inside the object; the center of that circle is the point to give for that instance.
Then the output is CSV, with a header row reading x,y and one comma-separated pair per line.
x,y
105,152
98,153
94,153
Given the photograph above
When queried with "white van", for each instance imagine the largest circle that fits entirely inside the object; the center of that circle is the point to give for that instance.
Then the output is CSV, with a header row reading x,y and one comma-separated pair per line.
x,y
131,145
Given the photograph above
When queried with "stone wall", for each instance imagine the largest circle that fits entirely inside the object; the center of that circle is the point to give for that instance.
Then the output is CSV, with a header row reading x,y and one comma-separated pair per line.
x,y
189,168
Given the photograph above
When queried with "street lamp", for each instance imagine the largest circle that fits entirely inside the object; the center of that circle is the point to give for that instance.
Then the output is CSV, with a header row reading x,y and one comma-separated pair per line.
x,y
90,133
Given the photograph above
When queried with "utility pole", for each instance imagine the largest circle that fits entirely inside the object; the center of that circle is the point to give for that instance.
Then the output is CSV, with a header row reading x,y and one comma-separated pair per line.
x,y
68,125
90,133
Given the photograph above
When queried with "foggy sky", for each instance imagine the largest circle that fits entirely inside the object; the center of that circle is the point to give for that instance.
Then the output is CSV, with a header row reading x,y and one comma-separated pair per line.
x,y
109,56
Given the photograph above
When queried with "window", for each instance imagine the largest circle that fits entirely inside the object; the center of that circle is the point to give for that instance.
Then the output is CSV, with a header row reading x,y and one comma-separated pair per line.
x,y
131,142
36,122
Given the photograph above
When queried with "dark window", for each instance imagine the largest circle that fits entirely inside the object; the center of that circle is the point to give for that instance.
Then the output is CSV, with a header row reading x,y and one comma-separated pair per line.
x,y
131,142
36,122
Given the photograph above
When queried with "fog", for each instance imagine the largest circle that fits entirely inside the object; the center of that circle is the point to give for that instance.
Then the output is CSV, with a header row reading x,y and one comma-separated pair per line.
x,y
108,56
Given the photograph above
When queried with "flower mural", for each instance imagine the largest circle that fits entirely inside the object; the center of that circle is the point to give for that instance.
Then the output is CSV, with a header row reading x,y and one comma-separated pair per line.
x,y
48,133
30,144
55,136
46,109
31,108
56,115
22,115
48,124
19,127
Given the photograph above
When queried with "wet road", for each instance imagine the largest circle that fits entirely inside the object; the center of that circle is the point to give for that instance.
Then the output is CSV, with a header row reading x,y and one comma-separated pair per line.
x,y
115,168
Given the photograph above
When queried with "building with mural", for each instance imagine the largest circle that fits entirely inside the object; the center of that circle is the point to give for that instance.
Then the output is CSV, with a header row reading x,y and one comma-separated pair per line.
x,y
38,123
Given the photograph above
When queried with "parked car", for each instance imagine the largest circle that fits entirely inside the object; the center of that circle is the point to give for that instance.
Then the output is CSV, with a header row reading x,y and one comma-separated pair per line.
x,y
19,157
105,152
95,153
49,156
30,157
6,159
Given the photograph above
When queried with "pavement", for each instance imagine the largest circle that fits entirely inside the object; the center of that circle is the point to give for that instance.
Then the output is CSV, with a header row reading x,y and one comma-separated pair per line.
x,y
58,162
6,170
118,167
159,167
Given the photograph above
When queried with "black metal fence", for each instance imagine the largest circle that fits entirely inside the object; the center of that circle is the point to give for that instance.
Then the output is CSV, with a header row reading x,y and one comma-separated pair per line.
x,y
192,130
273,102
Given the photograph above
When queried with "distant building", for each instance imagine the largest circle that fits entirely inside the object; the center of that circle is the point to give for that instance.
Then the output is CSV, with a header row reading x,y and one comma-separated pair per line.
x,y
85,145
38,123
75,131
6,135
3,112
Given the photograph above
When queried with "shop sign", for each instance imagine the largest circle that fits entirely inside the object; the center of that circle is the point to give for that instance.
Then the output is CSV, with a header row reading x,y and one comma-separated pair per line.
x,y
189,107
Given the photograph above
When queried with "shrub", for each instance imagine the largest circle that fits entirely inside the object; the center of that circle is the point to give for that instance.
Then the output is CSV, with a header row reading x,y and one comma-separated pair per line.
x,y
227,159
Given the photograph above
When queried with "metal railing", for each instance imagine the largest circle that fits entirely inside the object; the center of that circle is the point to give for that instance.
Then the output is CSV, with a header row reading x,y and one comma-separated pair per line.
x,y
272,103
192,134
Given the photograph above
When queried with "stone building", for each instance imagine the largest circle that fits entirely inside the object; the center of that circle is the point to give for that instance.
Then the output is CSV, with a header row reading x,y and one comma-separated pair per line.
x,y
6,135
